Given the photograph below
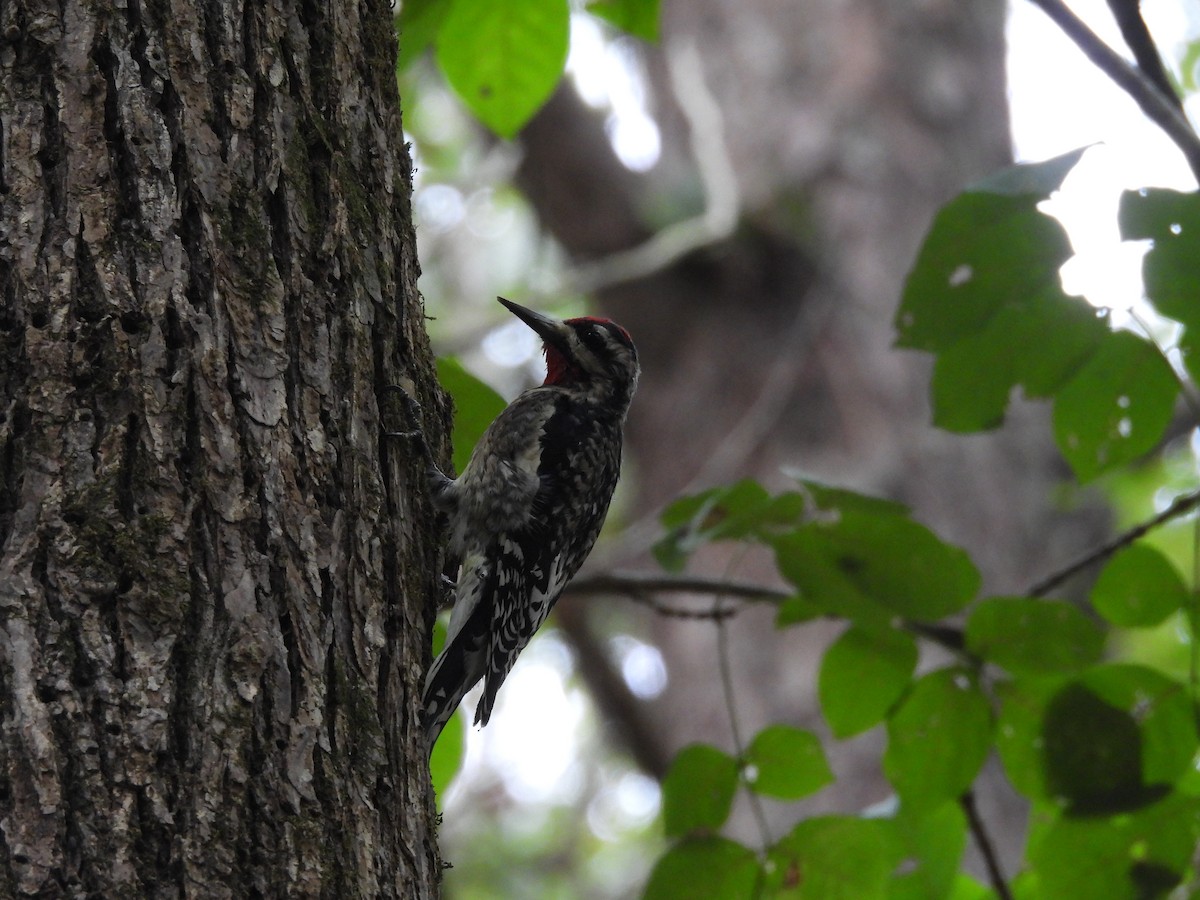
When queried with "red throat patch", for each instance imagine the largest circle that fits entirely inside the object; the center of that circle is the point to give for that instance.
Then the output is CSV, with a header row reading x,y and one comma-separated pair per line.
x,y
558,370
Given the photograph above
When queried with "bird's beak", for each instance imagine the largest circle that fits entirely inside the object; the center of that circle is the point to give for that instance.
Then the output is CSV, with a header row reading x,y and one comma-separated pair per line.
x,y
548,329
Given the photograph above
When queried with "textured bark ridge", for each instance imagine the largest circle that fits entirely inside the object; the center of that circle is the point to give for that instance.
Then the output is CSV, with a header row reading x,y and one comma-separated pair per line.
x,y
212,575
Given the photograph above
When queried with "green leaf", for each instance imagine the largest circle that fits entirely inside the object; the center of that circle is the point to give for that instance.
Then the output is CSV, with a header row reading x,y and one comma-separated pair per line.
x,y
1128,857
935,842
1116,739
637,17
475,406
735,512
987,248
863,673
1162,709
832,858
937,739
704,868
1019,732
809,560
787,762
1138,587
1024,634
417,27
901,564
1093,754
504,57
1117,406
1171,268
860,565
1038,344
698,790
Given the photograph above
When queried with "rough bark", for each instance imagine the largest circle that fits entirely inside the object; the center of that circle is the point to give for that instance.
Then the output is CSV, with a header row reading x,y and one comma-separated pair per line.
x,y
848,124
213,570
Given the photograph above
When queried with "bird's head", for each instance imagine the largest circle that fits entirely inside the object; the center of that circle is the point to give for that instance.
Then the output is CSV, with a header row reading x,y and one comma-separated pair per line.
x,y
586,352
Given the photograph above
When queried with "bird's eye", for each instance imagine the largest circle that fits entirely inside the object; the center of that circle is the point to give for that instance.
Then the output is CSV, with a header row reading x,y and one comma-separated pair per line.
x,y
592,337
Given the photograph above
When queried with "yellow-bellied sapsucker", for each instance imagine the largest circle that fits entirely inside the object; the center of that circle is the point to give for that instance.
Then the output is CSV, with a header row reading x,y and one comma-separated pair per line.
x,y
526,510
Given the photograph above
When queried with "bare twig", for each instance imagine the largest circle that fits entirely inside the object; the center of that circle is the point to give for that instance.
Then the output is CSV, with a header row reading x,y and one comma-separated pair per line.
x,y
1153,103
1128,15
986,848
1179,507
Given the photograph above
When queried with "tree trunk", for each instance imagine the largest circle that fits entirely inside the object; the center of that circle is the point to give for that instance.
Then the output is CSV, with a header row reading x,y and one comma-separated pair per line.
x,y
214,571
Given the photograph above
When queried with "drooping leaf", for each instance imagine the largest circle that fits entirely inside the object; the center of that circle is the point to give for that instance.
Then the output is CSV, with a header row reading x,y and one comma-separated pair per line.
x,y
863,673
938,738
704,868
504,57
786,762
1025,634
1117,406
638,17
475,406
698,790
1138,587
832,858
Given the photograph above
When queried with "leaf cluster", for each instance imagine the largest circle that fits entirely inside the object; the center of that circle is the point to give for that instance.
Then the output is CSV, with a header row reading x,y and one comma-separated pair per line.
x,y
1104,750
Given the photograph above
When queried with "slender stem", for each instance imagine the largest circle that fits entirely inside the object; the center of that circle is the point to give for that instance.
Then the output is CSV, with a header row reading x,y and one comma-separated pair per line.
x,y
1179,507
986,848
1151,100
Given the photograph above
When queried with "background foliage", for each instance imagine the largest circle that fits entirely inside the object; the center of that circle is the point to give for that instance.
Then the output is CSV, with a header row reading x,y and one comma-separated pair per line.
x,y
1087,697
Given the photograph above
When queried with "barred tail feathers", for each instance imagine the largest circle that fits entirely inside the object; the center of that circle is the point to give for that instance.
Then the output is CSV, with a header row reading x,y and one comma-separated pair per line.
x,y
463,660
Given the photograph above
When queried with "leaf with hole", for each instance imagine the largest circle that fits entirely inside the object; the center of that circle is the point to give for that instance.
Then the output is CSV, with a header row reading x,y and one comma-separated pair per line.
x,y
1117,406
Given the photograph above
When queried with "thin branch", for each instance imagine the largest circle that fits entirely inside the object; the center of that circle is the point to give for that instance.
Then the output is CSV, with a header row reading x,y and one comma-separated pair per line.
x,y
1128,15
640,587
986,847
1179,507
1157,108
632,583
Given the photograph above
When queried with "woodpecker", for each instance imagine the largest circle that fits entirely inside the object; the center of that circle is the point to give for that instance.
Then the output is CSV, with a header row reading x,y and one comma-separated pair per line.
x,y
526,510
